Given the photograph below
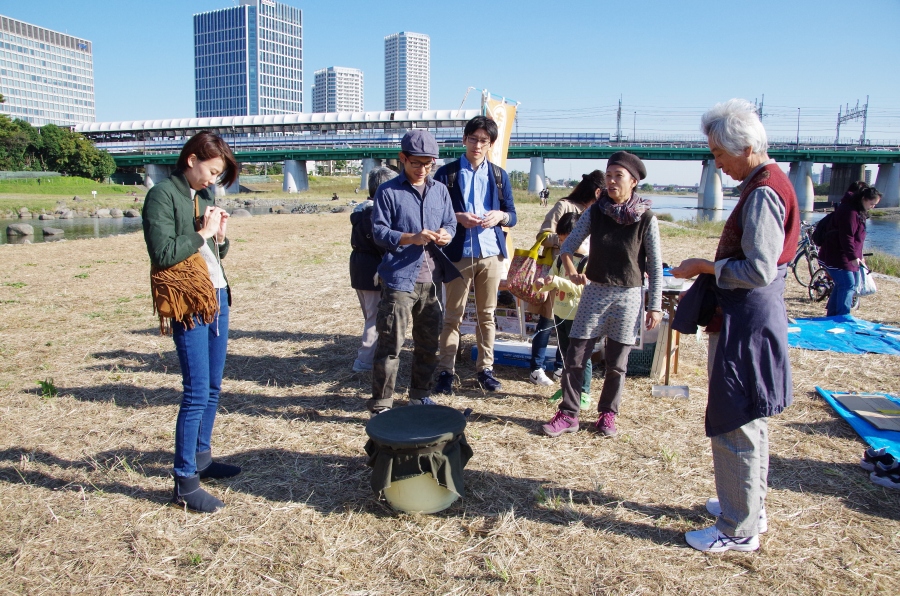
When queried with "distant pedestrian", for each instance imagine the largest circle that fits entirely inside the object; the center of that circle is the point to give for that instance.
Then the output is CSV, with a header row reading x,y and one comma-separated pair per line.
x,y
334,197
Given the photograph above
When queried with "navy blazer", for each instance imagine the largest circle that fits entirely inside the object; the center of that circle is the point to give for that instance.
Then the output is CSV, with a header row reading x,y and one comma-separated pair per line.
x,y
505,203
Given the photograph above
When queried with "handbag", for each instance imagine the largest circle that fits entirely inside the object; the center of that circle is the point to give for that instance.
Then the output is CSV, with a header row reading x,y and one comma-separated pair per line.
x,y
526,266
866,285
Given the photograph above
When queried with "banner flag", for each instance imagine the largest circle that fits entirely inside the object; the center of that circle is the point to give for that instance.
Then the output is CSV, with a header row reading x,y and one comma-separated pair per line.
x,y
504,114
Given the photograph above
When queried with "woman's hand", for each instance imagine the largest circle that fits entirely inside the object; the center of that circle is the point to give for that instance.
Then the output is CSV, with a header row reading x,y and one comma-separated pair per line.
x,y
212,221
223,225
652,319
578,279
693,267
539,283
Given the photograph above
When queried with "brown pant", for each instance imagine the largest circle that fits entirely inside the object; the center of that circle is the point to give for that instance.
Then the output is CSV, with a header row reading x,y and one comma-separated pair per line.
x,y
577,356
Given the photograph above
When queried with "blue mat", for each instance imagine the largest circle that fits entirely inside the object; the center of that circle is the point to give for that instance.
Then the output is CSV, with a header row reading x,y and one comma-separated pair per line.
x,y
858,337
889,439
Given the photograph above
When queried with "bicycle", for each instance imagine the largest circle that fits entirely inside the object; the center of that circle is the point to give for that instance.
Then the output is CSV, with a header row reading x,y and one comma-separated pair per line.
x,y
821,285
806,259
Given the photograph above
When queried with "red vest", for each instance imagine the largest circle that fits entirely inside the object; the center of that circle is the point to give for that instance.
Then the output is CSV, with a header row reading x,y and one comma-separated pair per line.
x,y
771,176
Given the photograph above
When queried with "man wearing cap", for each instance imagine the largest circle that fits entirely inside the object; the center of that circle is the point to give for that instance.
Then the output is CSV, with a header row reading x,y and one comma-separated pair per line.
x,y
483,202
411,218
624,233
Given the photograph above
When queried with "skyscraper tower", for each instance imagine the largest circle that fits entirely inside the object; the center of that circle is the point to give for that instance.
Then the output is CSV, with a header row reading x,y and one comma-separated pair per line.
x,y
248,60
48,76
338,89
407,71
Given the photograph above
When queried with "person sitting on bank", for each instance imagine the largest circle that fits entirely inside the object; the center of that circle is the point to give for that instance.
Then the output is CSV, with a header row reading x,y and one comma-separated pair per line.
x,y
365,257
483,202
411,219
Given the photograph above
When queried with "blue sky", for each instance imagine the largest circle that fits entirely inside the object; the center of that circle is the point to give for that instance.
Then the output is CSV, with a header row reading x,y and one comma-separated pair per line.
x,y
566,62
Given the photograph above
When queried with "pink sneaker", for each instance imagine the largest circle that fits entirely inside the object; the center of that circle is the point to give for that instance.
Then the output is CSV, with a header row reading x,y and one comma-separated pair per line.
x,y
561,423
606,424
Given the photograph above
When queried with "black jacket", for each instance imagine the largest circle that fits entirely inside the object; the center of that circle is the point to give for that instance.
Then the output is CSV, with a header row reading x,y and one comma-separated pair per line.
x,y
366,255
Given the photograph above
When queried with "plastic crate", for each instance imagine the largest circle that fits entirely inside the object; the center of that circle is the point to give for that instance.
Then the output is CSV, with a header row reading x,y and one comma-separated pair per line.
x,y
640,362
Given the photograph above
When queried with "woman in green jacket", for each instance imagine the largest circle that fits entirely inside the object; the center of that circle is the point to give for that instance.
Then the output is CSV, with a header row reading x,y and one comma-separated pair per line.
x,y
180,220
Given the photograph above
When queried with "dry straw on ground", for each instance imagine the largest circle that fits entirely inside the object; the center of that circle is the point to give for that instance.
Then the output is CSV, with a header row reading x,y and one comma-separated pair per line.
x,y
84,485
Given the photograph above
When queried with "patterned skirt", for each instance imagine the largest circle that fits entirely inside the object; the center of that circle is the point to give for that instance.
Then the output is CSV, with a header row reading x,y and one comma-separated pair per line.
x,y
609,311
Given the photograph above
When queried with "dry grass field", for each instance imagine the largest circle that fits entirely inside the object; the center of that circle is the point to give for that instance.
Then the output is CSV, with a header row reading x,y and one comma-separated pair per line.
x,y
84,485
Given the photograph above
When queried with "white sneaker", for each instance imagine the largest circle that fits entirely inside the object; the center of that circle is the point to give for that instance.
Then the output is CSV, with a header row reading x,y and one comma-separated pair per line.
x,y
360,366
714,508
711,540
539,377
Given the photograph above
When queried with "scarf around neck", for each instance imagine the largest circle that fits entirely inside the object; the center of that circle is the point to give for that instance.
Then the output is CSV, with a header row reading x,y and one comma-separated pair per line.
x,y
626,213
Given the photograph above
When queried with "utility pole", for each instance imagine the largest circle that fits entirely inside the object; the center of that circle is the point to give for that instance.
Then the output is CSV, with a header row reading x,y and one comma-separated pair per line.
x,y
619,121
798,129
634,128
759,107
846,114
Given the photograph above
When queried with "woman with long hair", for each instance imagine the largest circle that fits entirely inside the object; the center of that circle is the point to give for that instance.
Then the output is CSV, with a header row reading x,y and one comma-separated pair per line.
x,y
842,251
186,241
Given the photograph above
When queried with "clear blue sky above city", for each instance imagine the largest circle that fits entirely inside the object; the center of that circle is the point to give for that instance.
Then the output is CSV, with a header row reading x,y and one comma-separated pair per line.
x,y
567,63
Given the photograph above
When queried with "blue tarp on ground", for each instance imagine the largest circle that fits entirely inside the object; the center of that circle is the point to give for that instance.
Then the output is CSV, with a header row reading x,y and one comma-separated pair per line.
x,y
889,439
858,337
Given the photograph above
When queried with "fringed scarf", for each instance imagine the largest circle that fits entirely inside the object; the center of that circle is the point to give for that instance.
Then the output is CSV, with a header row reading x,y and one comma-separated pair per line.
x,y
625,213
182,291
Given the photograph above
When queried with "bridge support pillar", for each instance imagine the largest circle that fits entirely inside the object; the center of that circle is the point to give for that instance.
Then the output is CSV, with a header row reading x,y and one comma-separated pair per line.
x,y
536,179
232,189
295,177
155,173
712,187
702,186
842,176
801,178
368,164
888,182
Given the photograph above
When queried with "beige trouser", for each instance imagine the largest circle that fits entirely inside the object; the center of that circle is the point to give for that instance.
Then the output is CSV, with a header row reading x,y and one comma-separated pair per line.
x,y
486,274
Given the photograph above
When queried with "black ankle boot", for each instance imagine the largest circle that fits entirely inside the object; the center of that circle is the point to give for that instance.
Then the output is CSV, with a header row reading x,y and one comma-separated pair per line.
x,y
188,493
215,470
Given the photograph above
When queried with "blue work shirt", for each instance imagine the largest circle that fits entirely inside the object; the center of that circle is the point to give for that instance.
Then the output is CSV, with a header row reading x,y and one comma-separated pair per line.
x,y
398,210
480,242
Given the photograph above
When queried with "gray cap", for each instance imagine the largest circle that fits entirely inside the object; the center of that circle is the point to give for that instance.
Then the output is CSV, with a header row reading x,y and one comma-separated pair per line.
x,y
419,142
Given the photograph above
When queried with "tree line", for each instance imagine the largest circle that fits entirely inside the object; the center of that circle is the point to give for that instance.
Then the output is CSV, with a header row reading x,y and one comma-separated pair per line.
x,y
50,148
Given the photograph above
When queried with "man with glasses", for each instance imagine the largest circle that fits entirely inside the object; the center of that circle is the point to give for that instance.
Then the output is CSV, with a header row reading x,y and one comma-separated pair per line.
x,y
483,202
411,218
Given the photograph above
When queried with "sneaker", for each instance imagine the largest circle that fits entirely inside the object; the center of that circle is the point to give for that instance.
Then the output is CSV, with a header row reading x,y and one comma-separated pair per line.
x,y
360,366
444,384
561,423
557,374
377,411
585,401
873,457
487,381
425,401
606,424
714,508
886,479
711,540
539,377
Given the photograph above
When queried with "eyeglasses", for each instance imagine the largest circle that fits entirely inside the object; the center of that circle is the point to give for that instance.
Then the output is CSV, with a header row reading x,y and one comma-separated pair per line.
x,y
419,165
477,141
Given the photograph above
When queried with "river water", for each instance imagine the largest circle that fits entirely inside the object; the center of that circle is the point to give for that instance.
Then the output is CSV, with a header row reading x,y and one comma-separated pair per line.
x,y
883,236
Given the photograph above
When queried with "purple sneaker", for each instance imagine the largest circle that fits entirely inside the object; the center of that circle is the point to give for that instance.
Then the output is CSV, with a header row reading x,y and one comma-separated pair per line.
x,y
561,423
606,424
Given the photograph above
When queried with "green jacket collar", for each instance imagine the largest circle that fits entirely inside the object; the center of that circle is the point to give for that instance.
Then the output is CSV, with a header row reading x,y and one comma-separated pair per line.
x,y
181,184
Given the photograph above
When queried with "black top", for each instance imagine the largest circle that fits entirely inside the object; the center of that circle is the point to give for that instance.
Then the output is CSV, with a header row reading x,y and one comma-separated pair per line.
x,y
366,255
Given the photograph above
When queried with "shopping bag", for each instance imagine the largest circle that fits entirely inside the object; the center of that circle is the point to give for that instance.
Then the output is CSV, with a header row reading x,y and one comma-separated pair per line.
x,y
526,266
866,285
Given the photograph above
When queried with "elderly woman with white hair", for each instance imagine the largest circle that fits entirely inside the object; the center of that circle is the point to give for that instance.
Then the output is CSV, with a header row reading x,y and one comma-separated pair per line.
x,y
750,371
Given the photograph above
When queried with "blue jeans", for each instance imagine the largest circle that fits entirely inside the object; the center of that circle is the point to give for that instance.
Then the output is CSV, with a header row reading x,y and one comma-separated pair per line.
x,y
201,354
539,344
841,298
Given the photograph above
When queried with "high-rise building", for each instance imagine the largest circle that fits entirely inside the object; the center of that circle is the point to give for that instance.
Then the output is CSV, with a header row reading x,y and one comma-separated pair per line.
x,y
248,60
47,77
338,89
407,71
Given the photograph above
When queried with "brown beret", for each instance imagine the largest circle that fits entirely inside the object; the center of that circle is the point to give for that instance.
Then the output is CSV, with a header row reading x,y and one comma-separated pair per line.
x,y
630,162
